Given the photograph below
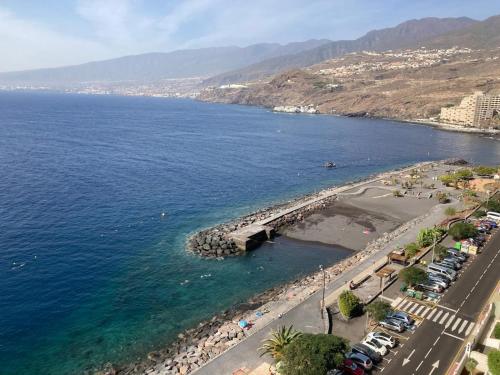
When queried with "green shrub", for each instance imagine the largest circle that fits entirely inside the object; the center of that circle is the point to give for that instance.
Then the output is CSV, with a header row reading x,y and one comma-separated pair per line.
x,y
460,231
464,174
479,213
470,365
450,211
442,197
483,170
494,362
448,179
412,275
313,354
411,250
378,310
496,331
349,304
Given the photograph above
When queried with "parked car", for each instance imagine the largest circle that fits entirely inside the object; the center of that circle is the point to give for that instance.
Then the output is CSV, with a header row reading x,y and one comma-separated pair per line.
x,y
361,360
448,264
376,346
431,286
457,254
383,338
454,260
492,215
363,349
351,368
490,222
437,279
393,325
402,317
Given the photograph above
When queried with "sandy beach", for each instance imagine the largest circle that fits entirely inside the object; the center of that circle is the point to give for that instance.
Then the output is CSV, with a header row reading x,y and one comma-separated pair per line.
x,y
355,220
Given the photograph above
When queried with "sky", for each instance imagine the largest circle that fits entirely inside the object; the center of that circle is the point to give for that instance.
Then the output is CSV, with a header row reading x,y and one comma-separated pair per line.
x,y
50,33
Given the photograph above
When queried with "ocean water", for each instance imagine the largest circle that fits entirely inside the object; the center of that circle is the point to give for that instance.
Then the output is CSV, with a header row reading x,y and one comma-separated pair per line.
x,y
91,272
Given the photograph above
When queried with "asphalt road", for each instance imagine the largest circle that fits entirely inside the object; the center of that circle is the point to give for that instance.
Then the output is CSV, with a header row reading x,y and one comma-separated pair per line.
x,y
434,344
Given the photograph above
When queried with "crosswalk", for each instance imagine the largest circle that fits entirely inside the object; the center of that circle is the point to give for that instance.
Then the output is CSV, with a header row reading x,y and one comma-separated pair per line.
x,y
447,318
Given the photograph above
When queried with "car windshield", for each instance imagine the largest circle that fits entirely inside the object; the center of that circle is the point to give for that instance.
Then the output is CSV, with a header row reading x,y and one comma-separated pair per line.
x,y
382,335
375,343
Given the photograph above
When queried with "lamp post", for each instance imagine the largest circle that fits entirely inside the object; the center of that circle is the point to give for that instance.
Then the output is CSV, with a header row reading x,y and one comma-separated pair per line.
x,y
433,245
324,286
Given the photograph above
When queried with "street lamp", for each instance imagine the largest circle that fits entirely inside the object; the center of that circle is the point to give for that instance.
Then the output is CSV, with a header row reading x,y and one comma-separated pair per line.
x,y
433,245
324,286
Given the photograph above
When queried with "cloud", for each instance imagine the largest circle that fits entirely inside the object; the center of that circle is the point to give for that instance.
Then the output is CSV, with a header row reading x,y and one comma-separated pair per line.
x,y
27,45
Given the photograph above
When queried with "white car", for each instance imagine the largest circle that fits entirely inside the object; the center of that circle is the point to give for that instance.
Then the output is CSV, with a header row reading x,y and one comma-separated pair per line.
x,y
375,346
492,215
383,338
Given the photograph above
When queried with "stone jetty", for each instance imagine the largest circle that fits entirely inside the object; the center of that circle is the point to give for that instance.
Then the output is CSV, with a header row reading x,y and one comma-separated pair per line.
x,y
248,232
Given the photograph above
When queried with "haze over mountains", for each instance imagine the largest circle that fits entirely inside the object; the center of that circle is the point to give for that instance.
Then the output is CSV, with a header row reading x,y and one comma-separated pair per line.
x,y
222,65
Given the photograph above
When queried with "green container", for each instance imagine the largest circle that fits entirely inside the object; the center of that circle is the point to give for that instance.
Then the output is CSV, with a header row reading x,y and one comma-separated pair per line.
x,y
458,245
419,295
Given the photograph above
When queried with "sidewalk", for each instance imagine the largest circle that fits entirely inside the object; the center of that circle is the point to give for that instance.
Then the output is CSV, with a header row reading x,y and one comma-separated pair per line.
x,y
306,315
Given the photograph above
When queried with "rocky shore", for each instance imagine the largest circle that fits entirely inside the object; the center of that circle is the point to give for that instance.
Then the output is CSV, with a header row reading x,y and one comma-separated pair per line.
x,y
196,346
216,242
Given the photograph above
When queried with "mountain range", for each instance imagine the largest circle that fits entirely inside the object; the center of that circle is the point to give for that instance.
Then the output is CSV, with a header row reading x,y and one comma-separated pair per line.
x,y
223,65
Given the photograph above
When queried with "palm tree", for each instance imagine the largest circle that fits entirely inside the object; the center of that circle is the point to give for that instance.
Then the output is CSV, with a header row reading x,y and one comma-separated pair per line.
x,y
278,341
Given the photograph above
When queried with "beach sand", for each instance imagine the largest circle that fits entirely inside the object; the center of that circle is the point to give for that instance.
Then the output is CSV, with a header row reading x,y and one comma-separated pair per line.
x,y
355,220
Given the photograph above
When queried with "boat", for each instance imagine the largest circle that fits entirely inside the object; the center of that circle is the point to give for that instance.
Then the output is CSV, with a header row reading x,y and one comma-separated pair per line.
x,y
329,164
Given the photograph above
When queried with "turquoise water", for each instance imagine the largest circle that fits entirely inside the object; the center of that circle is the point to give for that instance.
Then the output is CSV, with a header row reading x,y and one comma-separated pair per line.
x,y
90,270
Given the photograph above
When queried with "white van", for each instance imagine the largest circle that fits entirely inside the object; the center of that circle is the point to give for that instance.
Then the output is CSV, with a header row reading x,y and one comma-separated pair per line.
x,y
493,216
440,270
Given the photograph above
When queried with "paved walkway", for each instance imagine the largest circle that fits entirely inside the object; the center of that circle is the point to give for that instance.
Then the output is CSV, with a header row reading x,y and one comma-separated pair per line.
x,y
306,315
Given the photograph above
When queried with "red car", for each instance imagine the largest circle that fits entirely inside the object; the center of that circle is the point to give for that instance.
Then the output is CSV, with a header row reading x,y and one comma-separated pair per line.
x,y
351,368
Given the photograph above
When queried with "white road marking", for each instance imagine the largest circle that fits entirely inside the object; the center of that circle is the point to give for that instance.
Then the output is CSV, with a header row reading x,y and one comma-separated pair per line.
x,y
435,342
413,308
419,310
427,352
424,313
462,326
455,337
448,323
455,325
447,308
433,311
445,316
471,325
437,316
420,364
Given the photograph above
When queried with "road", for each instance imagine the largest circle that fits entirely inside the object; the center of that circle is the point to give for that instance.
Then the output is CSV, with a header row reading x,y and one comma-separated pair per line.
x,y
305,316
433,345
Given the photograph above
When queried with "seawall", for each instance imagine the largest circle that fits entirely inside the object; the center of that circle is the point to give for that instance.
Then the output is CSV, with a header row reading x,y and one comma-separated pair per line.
x,y
248,232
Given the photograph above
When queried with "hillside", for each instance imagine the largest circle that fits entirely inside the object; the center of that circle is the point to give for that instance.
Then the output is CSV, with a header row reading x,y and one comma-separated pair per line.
x,y
404,35
157,66
407,84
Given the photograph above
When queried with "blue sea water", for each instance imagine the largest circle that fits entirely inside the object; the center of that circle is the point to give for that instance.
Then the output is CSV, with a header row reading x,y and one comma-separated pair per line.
x,y
91,272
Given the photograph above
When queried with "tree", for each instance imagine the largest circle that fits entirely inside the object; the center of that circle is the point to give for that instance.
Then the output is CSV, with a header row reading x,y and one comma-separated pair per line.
x,y
494,362
411,250
426,236
493,205
349,304
378,310
313,354
470,365
496,331
450,211
412,275
460,231
440,251
278,341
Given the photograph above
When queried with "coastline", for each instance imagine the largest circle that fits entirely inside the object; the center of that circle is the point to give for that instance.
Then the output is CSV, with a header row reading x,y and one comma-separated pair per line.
x,y
197,346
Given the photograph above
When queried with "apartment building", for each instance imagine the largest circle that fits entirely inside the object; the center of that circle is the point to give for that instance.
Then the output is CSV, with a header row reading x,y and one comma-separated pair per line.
x,y
477,110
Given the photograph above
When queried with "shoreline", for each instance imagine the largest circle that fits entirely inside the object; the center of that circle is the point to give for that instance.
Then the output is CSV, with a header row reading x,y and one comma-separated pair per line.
x,y
218,241
197,346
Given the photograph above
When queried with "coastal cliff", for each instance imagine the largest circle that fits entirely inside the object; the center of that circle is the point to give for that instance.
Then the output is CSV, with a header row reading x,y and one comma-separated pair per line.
x,y
401,85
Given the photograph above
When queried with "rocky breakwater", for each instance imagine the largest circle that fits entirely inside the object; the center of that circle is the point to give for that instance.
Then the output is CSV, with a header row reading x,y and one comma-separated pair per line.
x,y
217,242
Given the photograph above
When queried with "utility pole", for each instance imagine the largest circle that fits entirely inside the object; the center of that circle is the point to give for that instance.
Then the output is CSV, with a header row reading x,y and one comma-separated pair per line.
x,y
324,286
433,245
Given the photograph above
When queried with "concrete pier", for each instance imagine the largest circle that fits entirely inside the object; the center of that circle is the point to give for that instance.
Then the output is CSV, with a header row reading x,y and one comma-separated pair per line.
x,y
252,236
